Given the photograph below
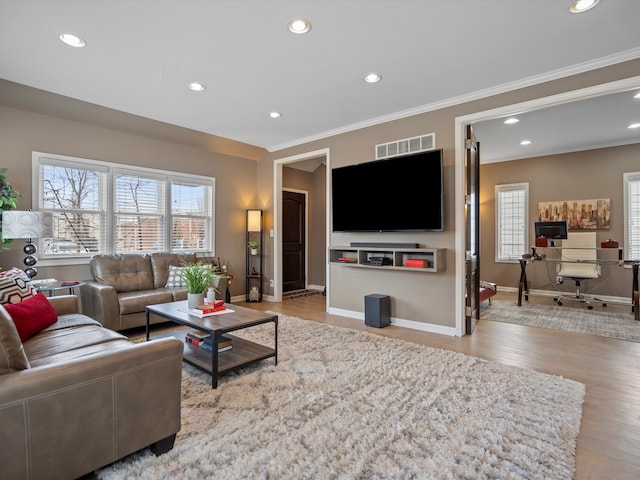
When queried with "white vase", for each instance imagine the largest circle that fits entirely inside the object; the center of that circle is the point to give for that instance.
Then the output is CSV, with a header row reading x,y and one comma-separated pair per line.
x,y
254,251
194,299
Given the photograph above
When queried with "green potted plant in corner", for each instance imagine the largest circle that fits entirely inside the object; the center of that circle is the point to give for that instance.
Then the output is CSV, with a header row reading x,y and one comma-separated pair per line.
x,y
8,201
253,246
198,278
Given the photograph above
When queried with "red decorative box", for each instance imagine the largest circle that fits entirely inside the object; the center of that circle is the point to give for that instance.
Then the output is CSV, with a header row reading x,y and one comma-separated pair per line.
x,y
416,263
609,244
542,242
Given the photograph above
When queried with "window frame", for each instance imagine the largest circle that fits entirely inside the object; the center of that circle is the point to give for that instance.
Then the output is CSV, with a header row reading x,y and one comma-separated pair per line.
x,y
627,179
499,190
107,199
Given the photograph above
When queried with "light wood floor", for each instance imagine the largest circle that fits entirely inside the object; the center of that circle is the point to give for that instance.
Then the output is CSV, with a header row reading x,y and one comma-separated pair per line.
x,y
609,440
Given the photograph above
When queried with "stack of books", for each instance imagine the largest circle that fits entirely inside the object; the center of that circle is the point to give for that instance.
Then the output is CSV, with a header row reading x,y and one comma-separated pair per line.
x,y
217,306
204,340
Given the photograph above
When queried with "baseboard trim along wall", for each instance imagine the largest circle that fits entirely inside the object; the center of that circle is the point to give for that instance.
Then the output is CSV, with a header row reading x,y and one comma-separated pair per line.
x,y
399,322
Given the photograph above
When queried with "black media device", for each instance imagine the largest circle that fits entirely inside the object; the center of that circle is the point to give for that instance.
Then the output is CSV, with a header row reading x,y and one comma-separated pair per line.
x,y
552,230
402,193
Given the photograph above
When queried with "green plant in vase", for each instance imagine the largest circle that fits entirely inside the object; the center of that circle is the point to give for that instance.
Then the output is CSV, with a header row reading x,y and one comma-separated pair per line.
x,y
253,246
197,278
8,201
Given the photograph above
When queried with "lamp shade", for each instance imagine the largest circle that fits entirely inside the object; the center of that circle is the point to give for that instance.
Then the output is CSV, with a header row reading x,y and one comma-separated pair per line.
x,y
26,224
254,220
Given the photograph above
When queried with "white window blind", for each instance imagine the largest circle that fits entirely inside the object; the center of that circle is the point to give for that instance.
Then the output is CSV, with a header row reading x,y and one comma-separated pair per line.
x,y
101,207
75,195
191,214
512,202
632,215
139,208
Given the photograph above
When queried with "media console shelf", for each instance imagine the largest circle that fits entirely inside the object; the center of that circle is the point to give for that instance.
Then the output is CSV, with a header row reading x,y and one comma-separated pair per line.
x,y
410,259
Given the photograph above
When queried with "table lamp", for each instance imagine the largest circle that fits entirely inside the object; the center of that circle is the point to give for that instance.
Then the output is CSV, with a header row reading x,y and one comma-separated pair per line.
x,y
29,225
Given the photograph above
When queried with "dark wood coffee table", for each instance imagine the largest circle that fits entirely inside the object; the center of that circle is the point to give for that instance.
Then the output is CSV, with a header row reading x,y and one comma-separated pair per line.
x,y
243,351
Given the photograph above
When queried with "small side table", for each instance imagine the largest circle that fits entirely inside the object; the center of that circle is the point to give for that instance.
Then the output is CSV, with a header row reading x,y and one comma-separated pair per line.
x,y
57,286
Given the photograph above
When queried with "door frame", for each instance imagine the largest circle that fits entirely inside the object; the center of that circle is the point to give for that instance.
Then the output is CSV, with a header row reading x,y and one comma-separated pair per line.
x,y
277,212
459,171
306,230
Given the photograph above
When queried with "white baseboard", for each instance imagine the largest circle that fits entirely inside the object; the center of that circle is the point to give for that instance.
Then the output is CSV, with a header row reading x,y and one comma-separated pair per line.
x,y
399,322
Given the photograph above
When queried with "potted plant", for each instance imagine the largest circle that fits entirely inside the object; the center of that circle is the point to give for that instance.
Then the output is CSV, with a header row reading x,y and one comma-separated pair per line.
x,y
8,201
253,246
197,278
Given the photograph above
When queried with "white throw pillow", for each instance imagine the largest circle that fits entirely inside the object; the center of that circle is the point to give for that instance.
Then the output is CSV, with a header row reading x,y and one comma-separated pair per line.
x,y
175,279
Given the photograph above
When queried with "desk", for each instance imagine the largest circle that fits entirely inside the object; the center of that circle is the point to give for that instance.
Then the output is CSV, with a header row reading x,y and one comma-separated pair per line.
x,y
523,285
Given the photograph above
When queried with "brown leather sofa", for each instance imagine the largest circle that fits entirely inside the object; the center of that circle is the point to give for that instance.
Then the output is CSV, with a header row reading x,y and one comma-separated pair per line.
x,y
123,285
77,396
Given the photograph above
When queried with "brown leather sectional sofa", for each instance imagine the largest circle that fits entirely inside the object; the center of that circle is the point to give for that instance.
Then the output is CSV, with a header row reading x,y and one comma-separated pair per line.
x,y
124,284
77,396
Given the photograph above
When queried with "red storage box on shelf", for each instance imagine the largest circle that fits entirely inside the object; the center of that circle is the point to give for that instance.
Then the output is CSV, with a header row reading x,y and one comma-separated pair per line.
x,y
416,263
542,242
609,244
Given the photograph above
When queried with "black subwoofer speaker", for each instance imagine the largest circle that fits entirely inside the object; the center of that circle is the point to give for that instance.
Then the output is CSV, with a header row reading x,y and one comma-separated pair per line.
x,y
377,310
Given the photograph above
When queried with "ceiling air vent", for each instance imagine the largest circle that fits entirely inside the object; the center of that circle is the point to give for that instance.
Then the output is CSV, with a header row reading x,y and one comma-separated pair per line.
x,y
405,146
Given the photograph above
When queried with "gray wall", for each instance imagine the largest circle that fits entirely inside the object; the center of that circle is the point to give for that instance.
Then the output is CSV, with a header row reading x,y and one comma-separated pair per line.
x,y
22,132
573,176
416,296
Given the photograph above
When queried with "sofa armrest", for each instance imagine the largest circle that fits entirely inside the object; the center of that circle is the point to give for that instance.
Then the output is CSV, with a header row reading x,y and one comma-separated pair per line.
x,y
106,405
65,304
100,302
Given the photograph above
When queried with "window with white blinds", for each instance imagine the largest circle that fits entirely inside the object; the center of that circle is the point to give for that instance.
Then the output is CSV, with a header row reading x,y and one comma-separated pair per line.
x,y
100,207
632,215
512,212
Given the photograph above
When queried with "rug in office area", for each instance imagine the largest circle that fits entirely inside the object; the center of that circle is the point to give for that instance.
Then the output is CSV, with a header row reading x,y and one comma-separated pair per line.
x,y
343,403
580,320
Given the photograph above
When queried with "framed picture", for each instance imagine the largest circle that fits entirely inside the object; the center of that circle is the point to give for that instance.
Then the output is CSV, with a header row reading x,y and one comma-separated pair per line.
x,y
593,214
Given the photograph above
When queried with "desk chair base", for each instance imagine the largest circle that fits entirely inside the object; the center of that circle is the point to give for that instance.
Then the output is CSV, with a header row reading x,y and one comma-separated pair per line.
x,y
578,297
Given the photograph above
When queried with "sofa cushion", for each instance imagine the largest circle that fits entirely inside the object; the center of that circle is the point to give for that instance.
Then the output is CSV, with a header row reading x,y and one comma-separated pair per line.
x,y
32,315
12,355
40,348
15,286
161,261
124,272
135,302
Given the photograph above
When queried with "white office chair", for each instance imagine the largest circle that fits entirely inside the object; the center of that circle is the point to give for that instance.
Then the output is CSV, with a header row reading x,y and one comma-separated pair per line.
x,y
579,262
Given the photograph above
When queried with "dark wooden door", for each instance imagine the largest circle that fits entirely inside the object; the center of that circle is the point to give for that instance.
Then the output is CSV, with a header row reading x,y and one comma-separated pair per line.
x,y
293,241
472,227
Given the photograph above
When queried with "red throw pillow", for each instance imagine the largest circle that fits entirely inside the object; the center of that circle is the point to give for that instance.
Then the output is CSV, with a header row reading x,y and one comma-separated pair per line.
x,y
32,315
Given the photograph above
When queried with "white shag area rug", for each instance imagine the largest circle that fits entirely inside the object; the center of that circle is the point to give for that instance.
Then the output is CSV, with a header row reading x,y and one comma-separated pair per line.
x,y
347,404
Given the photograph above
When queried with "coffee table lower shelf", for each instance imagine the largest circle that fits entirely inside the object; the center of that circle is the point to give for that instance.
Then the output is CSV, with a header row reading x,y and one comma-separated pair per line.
x,y
242,354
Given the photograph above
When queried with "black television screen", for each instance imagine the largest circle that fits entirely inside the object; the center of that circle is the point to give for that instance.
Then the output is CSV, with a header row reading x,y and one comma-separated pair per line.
x,y
397,194
552,230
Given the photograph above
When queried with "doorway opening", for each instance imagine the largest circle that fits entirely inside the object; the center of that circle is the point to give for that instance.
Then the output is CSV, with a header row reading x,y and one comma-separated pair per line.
x,y
317,220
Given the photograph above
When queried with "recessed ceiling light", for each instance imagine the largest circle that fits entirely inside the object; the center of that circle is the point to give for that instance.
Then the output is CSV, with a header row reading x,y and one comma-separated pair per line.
x,y
299,26
579,6
72,40
372,78
275,114
634,125
525,142
196,87
511,121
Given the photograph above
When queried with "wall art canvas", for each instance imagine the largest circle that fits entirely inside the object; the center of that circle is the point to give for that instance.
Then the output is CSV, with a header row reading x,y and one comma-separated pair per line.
x,y
594,214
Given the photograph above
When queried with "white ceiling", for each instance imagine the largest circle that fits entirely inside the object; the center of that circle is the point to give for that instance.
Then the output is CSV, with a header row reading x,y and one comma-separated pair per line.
x,y
140,55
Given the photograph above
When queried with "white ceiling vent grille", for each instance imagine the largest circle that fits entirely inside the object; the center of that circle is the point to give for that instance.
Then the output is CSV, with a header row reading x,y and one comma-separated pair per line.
x,y
405,146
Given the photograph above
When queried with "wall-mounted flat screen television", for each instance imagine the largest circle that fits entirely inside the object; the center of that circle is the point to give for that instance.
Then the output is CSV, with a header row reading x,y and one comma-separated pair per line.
x,y
402,193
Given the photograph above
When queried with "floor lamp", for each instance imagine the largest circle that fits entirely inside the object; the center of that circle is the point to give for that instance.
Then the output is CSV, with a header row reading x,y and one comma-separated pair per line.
x,y
29,225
